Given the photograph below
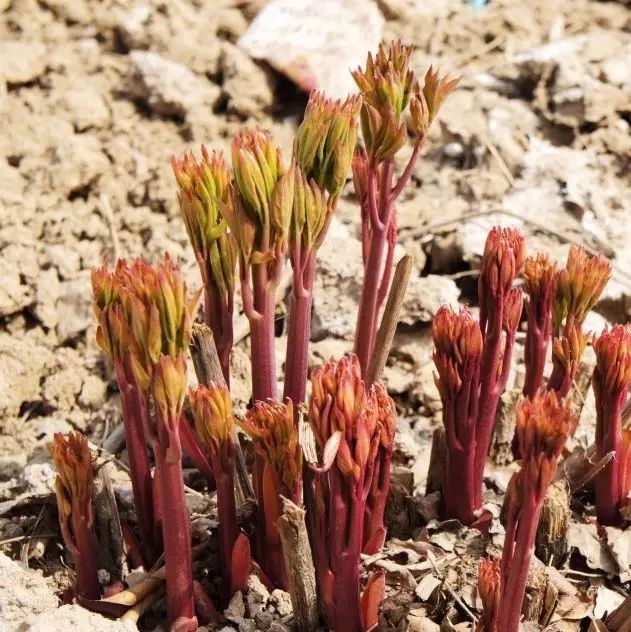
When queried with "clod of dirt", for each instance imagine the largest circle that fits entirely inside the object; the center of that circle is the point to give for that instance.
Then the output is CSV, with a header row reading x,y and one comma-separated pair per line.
x,y
247,86
21,61
167,87
424,297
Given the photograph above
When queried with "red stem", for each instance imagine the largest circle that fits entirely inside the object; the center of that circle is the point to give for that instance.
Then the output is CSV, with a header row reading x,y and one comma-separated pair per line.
x,y
228,531
608,439
262,337
538,335
176,534
374,524
139,467
516,560
218,312
561,378
84,557
490,391
375,270
297,358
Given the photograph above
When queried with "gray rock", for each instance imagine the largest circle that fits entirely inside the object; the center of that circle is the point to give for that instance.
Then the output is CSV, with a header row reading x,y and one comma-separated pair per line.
x,y
60,389
281,602
76,163
93,392
46,295
132,27
38,478
424,297
21,61
14,296
167,87
65,259
23,362
248,86
87,109
11,465
74,308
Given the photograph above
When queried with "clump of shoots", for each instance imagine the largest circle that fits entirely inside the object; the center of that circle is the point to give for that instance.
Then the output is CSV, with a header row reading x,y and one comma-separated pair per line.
x,y
155,331
389,90
579,287
203,189
543,426
271,426
114,333
500,312
457,356
489,590
323,150
73,488
214,423
611,381
259,217
345,420
540,276
473,362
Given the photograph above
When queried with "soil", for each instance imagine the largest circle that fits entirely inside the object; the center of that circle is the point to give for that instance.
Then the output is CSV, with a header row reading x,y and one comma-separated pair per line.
x,y
95,97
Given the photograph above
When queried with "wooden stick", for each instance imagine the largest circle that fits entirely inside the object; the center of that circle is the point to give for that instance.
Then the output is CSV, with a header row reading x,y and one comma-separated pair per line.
x,y
299,565
111,553
208,370
389,321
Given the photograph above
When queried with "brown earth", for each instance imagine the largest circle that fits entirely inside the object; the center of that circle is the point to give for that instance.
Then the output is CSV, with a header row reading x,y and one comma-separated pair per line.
x,y
95,97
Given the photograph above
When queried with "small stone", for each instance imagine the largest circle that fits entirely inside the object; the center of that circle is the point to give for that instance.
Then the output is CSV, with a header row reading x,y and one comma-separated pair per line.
x,y
74,309
21,61
281,602
236,608
65,259
277,626
22,365
39,478
47,293
167,87
93,392
11,465
257,595
424,297
14,296
248,86
87,109
61,389
263,620
76,163
132,27
616,70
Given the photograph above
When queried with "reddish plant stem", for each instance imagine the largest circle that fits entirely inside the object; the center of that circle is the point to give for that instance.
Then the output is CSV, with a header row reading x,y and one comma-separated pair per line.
x,y
228,531
299,329
218,316
139,467
608,439
261,317
492,384
84,555
378,229
374,534
259,305
176,535
560,379
536,349
521,531
340,504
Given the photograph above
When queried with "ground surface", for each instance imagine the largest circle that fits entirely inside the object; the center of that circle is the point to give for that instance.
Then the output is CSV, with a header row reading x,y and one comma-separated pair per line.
x,y
95,96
